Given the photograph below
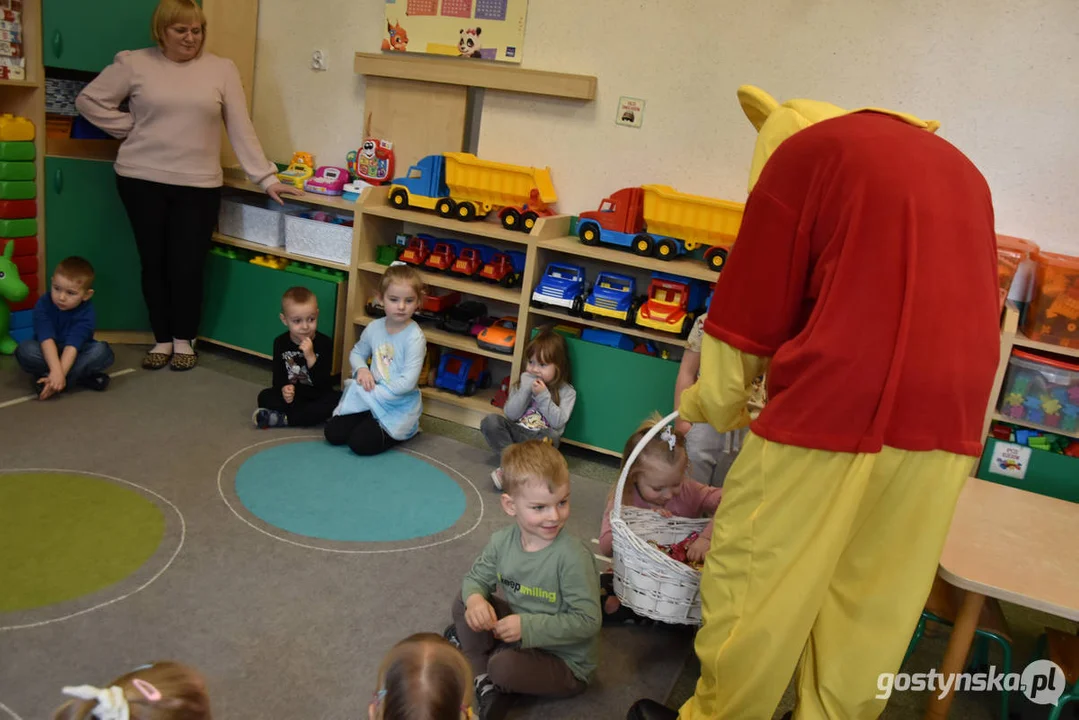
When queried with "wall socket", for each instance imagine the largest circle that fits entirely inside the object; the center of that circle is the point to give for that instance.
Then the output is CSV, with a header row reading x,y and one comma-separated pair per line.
x,y
318,60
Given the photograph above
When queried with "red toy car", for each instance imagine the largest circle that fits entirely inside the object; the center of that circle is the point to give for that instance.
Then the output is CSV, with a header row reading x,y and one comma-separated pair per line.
x,y
468,263
500,270
441,258
416,252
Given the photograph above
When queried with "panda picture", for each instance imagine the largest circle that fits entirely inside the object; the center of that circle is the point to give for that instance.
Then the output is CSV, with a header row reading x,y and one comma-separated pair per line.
x,y
468,45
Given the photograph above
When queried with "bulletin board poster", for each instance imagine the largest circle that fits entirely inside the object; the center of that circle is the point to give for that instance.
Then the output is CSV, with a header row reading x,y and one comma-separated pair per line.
x,y
484,29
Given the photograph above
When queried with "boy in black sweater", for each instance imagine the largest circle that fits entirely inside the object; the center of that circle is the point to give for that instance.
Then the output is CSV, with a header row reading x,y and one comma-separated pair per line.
x,y
302,394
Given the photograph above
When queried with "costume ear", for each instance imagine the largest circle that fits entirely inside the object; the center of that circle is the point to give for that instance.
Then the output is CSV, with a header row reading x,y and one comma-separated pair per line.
x,y
756,104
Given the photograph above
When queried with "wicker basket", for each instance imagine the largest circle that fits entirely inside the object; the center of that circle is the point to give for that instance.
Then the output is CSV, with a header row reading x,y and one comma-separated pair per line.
x,y
647,580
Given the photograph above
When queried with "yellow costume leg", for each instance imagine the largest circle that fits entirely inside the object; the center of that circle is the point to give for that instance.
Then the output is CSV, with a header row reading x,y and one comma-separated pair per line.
x,y
783,529
881,583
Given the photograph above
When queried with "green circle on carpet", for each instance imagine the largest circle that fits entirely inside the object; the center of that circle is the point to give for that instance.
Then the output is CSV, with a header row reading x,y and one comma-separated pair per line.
x,y
65,535
321,491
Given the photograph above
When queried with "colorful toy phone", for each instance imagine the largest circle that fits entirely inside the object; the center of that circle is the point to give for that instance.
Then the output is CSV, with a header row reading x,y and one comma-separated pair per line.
x,y
373,162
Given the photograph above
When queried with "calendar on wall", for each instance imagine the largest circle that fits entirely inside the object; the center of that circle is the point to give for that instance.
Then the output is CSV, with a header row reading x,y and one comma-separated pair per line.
x,y
482,29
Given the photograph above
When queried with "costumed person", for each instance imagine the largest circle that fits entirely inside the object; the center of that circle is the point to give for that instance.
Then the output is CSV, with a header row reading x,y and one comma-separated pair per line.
x,y
864,277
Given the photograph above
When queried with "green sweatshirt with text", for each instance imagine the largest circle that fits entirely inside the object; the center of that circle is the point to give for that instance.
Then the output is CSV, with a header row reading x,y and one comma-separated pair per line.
x,y
554,590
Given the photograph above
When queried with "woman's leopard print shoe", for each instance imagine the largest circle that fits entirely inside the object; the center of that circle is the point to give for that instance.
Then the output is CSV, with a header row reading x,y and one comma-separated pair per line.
x,y
183,361
155,360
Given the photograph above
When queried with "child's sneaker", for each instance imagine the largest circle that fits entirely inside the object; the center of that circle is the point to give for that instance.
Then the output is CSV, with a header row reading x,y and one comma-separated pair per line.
x,y
492,704
97,381
496,476
264,418
450,633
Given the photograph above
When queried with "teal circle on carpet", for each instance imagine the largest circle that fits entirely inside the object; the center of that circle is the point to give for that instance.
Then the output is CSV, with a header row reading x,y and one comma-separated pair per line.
x,y
327,492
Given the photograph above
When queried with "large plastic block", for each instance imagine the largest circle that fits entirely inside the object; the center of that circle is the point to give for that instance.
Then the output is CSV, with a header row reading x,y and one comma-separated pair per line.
x,y
17,170
15,129
17,151
23,245
22,319
18,228
14,209
27,265
17,190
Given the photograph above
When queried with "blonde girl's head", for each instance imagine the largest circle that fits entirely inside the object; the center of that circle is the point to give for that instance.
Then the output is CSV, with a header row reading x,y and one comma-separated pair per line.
x,y
162,691
659,469
423,677
547,357
401,291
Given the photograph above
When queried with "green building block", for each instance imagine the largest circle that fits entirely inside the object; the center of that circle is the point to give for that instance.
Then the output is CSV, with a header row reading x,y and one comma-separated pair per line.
x,y
387,254
17,190
18,228
17,151
17,170
316,271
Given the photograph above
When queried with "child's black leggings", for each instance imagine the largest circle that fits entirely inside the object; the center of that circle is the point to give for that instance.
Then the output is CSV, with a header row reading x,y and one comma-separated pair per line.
x,y
361,432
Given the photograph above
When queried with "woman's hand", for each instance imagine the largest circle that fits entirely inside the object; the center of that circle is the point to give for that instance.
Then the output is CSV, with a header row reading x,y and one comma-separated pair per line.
x,y
278,189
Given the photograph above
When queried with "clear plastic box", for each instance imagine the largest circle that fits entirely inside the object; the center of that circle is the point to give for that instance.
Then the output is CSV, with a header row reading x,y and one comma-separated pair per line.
x,y
1041,390
1053,314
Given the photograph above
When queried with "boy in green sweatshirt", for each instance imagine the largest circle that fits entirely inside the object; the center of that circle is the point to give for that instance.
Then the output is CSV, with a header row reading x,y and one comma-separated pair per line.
x,y
543,639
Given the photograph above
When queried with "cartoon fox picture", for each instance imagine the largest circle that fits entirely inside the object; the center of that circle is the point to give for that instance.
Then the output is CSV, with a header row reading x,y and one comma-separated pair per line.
x,y
398,39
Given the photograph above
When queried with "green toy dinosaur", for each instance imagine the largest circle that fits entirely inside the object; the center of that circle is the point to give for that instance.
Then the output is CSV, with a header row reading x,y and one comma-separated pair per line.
x,y
12,290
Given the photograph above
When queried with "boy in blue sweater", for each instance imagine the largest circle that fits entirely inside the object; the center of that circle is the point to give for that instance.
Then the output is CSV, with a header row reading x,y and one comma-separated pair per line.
x,y
63,350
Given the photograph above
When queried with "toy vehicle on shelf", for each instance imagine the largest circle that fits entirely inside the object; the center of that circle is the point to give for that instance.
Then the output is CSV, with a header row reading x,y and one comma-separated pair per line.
x,y
462,373
612,296
300,168
502,394
562,285
461,317
659,221
461,185
416,251
505,268
471,259
671,304
327,180
435,305
500,336
442,256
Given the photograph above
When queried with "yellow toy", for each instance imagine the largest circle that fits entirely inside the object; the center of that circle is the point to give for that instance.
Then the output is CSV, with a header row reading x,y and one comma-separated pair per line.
x,y
299,170
270,261
833,516
15,129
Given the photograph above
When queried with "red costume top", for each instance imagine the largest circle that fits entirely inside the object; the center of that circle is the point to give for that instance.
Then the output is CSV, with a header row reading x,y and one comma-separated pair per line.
x,y
865,267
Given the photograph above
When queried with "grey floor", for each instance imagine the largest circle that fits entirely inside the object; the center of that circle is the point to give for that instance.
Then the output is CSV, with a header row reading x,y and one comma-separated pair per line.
x,y
1025,624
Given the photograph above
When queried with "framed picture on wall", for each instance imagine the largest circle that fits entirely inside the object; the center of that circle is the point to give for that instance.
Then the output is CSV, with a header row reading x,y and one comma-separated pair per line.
x,y
475,29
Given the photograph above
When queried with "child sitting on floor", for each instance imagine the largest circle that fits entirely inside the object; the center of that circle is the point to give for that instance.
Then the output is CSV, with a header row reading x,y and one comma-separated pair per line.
x,y
63,350
423,676
543,639
659,479
380,406
302,394
161,691
539,404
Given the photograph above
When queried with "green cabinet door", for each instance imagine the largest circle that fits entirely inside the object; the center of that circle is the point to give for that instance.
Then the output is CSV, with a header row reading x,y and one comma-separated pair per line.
x,y
84,216
84,35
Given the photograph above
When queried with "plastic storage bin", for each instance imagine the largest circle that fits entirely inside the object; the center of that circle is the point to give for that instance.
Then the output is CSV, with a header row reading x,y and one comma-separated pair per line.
x,y
319,234
1041,390
1011,253
1053,314
253,218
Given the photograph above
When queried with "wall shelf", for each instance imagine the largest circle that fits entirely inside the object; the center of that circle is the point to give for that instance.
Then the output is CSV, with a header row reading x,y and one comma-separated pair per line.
x,y
235,178
469,73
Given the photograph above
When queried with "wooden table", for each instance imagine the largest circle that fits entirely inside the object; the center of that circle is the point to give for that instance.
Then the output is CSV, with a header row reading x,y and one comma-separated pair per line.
x,y
1011,545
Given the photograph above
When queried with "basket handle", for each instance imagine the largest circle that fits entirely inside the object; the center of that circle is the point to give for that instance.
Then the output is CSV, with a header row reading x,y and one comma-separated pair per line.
x,y
616,512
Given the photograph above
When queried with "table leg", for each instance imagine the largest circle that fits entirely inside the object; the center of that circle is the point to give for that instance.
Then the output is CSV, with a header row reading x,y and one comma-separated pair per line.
x,y
966,622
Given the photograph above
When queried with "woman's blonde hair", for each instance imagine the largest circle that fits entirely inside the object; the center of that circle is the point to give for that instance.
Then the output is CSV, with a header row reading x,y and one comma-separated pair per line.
x,y
170,12
659,456
162,691
423,677
550,347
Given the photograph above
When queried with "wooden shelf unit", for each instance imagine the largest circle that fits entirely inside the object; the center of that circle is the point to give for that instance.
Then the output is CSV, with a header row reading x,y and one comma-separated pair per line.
x,y
447,281
82,149
570,245
275,251
608,324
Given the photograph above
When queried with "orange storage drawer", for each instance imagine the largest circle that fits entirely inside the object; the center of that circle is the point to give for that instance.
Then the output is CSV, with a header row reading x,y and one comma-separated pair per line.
x,y
1053,314
1011,252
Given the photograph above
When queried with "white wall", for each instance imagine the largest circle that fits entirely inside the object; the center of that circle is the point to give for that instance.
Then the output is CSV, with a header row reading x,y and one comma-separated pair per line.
x,y
1002,76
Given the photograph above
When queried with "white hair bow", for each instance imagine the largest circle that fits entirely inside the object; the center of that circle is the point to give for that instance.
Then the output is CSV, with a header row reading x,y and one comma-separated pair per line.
x,y
111,703
668,437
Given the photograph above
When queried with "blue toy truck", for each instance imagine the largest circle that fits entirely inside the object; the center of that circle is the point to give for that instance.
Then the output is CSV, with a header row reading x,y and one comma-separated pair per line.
x,y
562,285
612,296
462,373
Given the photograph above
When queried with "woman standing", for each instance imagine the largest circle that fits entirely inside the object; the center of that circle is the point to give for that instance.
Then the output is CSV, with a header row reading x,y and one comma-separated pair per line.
x,y
168,169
